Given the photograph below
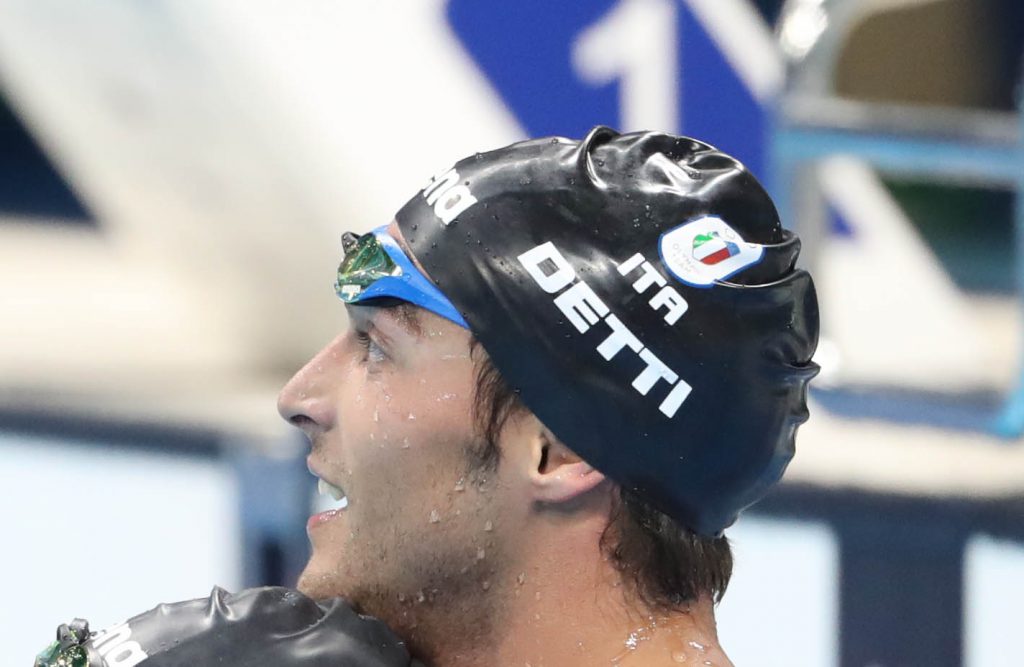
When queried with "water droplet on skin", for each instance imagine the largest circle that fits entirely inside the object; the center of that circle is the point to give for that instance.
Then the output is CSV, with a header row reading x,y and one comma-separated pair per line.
x,y
485,585
460,484
435,516
421,597
536,596
699,647
521,579
489,526
302,395
401,597
376,416
679,656
405,443
480,553
412,417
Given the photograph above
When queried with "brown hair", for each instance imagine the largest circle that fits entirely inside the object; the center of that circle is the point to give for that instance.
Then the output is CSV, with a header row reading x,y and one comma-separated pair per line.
x,y
666,564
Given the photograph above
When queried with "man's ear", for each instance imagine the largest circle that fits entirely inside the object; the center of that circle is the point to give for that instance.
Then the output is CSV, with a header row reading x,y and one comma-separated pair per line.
x,y
557,474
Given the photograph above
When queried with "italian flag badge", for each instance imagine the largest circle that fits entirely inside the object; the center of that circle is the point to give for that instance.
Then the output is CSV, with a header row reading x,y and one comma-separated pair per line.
x,y
711,248
704,250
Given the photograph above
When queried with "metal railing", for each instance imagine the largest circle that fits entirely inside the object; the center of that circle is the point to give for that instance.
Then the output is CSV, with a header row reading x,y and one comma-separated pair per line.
x,y
812,123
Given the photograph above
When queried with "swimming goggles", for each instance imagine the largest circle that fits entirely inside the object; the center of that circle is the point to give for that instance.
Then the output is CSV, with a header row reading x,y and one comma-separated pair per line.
x,y
375,267
69,649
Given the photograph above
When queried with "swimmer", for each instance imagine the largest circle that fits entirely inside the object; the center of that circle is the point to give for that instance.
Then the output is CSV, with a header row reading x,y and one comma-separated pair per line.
x,y
569,365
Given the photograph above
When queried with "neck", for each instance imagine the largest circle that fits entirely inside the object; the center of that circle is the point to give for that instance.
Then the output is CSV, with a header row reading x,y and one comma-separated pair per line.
x,y
565,605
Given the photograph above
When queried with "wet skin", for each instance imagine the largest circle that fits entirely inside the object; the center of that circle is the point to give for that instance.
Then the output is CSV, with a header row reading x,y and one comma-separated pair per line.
x,y
472,568
386,407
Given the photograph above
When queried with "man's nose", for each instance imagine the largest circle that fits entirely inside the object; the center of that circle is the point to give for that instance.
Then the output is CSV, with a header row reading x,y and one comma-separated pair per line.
x,y
307,400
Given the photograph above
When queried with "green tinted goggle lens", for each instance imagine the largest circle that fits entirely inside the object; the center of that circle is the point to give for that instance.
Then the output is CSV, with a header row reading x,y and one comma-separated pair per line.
x,y
365,263
67,651
54,656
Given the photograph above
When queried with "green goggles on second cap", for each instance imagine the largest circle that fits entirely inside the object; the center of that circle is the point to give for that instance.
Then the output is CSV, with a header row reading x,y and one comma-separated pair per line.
x,y
68,650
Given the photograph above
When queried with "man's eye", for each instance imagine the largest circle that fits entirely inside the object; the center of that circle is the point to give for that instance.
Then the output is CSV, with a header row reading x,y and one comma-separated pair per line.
x,y
371,351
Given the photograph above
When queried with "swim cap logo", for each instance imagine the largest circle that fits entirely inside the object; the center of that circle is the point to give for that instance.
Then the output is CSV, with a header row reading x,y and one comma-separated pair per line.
x,y
448,197
117,649
711,249
705,250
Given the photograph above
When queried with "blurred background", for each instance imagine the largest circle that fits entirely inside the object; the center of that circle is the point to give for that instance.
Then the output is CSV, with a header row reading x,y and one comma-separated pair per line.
x,y
174,178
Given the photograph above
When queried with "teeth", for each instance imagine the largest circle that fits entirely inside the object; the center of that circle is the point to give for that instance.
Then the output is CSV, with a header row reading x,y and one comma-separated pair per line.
x,y
328,489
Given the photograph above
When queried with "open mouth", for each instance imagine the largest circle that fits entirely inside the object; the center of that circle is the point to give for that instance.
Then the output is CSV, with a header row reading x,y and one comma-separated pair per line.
x,y
330,491
330,501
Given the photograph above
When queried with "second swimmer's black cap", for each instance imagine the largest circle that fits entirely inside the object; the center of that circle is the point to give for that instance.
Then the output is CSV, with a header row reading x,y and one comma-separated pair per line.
x,y
639,292
257,627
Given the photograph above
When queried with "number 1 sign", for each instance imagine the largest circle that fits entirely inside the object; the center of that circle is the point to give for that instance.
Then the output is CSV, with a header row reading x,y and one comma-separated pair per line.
x,y
705,68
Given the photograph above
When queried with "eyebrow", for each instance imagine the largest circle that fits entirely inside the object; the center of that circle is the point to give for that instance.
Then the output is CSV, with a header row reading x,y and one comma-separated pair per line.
x,y
402,313
408,317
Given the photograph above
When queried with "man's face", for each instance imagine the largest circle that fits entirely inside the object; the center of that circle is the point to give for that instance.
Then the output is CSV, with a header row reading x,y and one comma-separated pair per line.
x,y
388,409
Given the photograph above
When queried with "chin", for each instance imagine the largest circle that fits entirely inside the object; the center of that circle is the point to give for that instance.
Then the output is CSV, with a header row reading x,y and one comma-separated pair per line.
x,y
318,582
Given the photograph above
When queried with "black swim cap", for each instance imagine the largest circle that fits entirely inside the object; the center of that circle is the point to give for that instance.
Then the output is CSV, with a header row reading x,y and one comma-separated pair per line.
x,y
259,627
639,292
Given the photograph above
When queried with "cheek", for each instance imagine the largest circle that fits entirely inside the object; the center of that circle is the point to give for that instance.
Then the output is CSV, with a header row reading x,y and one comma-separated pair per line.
x,y
425,398
381,420
432,407
366,403
415,437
